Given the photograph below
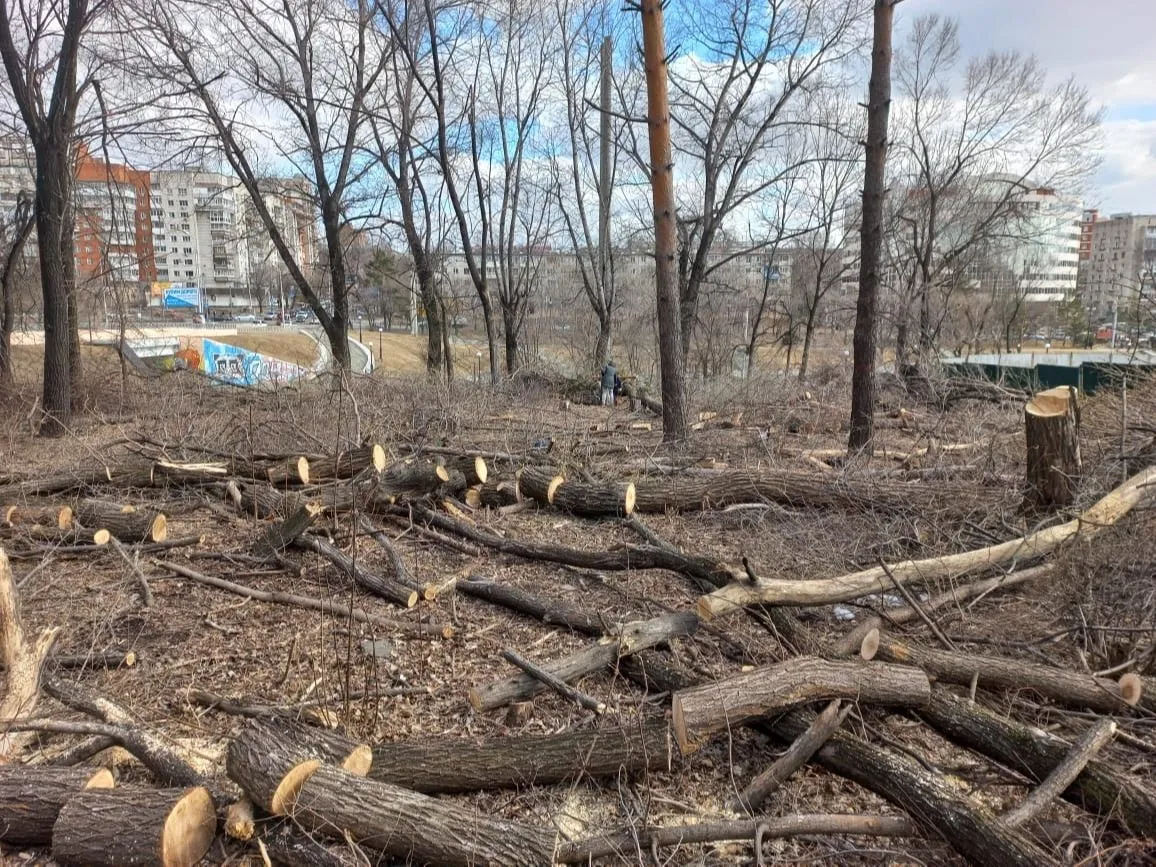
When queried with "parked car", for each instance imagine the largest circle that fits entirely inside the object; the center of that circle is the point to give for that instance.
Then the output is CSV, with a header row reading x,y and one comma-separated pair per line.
x,y
245,317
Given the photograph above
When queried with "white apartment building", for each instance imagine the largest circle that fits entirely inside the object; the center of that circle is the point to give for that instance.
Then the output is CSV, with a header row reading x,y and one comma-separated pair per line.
x,y
1044,253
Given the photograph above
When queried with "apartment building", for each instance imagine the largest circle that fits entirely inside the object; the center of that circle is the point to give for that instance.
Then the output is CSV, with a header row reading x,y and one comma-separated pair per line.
x,y
199,236
1122,250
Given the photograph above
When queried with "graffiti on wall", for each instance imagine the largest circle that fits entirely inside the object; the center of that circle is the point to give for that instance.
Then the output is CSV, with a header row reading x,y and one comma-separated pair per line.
x,y
238,366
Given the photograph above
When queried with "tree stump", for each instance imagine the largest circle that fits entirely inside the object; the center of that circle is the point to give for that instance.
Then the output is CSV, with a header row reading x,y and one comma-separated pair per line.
x,y
1052,430
31,798
114,827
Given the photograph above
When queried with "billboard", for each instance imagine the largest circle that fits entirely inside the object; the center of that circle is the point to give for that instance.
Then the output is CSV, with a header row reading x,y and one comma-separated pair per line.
x,y
182,298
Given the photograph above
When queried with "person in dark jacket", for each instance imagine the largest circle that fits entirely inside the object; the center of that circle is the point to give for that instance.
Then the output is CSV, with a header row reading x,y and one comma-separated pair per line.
x,y
609,381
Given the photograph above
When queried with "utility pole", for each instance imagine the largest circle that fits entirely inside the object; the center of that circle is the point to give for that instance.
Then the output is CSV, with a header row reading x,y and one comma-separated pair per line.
x,y
604,176
672,359
871,232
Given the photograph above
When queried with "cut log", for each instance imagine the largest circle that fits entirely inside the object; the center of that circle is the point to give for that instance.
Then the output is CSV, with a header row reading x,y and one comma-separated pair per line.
x,y
473,467
59,517
280,535
1069,688
539,483
31,797
114,827
631,638
702,711
495,494
271,759
686,491
471,764
586,499
23,659
412,477
415,827
378,585
518,600
293,471
127,523
1052,430
1139,488
636,392
1099,788
347,464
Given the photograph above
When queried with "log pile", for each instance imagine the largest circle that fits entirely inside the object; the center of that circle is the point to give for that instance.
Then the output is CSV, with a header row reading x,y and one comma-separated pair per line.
x,y
305,794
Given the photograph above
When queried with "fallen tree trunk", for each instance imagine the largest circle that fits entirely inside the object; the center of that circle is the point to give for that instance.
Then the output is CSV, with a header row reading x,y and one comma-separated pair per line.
x,y
705,710
495,494
31,798
59,517
376,584
412,477
631,638
472,764
637,392
327,606
280,535
1069,688
126,523
586,499
625,845
525,603
1099,788
627,557
412,826
852,642
1112,507
1052,431
271,759
347,464
936,803
114,827
686,492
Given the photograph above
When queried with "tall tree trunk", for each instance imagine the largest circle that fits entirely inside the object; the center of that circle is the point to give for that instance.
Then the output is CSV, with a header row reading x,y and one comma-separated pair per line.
x,y
444,330
901,343
6,326
491,334
510,333
68,261
435,352
602,345
337,328
671,350
871,232
53,175
808,335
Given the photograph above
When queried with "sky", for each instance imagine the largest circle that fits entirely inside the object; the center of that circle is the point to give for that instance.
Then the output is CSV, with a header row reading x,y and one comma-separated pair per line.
x,y
1107,46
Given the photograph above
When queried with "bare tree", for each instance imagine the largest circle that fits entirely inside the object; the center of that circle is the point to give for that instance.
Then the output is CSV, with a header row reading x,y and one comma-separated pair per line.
x,y
580,172
41,45
305,68
871,232
14,231
403,124
966,159
822,262
735,105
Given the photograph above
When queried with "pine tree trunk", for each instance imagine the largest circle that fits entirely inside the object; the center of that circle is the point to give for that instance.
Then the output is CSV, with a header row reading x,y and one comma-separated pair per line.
x,y
871,233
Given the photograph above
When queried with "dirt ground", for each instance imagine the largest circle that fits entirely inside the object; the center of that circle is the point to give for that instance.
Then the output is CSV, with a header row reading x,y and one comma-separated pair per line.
x,y
194,637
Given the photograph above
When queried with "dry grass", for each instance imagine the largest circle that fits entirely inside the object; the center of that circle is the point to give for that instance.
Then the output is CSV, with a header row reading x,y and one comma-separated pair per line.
x,y
291,346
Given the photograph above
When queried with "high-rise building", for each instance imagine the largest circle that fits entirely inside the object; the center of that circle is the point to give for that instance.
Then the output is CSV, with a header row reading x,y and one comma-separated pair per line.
x,y
1112,275
114,233
199,235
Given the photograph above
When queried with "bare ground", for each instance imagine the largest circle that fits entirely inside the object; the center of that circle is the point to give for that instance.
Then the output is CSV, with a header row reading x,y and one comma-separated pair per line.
x,y
194,637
